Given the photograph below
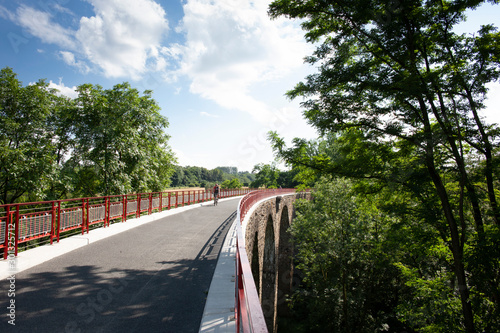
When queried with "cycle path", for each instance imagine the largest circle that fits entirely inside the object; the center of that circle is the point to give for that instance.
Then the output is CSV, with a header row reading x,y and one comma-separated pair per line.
x,y
153,278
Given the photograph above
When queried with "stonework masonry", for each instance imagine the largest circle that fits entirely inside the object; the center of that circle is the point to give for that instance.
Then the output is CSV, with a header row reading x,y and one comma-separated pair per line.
x,y
270,251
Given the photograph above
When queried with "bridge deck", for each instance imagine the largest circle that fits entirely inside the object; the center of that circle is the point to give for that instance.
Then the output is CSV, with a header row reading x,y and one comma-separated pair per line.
x,y
152,278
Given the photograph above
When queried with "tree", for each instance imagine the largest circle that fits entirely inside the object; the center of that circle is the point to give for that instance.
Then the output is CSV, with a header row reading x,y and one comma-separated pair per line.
x,y
199,176
27,158
266,175
104,142
120,143
216,175
397,72
287,179
228,169
177,178
233,183
349,280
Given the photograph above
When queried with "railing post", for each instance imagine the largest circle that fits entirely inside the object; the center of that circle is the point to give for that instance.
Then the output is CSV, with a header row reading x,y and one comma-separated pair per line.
x,y
87,218
53,223
150,209
160,196
58,220
124,200
7,227
138,212
16,231
83,216
107,208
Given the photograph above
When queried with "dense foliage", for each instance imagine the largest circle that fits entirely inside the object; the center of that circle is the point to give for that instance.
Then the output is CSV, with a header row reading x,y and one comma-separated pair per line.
x,y
397,100
346,253
270,176
106,141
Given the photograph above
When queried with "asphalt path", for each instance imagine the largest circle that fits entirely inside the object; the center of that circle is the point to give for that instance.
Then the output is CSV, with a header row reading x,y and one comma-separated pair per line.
x,y
154,278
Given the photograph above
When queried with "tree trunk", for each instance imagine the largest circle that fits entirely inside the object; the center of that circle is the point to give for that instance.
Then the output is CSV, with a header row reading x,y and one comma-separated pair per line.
x,y
456,246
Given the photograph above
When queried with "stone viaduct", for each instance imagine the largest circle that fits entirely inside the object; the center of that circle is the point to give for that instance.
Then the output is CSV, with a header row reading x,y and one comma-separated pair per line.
x,y
269,250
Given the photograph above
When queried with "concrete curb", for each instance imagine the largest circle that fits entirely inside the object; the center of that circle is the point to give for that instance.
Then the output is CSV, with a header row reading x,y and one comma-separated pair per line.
x,y
218,316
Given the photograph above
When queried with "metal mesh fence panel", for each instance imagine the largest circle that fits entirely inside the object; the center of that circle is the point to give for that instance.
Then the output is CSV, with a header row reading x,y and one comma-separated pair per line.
x,y
97,213
70,218
30,226
131,207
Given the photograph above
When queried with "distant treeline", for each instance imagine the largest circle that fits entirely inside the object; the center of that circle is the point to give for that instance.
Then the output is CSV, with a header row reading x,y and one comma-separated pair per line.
x,y
194,176
262,175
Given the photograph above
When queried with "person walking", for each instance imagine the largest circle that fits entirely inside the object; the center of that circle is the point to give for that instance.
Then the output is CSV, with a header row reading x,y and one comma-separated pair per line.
x,y
216,193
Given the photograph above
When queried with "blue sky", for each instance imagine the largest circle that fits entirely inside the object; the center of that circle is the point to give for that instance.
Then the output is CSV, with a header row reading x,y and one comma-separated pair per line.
x,y
219,69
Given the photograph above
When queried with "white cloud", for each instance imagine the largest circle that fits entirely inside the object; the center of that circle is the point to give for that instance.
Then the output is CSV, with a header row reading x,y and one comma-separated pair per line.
x,y
123,37
39,24
63,90
6,14
206,114
62,9
232,46
69,58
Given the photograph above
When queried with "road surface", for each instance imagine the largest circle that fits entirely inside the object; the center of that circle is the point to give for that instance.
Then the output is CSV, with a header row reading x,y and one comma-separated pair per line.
x,y
153,278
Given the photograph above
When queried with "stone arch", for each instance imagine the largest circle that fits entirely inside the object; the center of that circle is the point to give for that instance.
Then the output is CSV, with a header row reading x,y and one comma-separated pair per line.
x,y
268,287
285,264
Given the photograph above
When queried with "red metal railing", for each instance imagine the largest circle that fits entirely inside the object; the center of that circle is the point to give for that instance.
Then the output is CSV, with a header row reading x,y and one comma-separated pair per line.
x,y
248,311
24,222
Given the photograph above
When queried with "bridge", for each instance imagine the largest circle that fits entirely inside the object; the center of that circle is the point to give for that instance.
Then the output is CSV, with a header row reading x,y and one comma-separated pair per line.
x,y
159,272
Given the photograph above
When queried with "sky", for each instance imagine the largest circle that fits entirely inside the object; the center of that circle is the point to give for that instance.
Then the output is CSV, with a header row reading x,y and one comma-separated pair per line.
x,y
219,69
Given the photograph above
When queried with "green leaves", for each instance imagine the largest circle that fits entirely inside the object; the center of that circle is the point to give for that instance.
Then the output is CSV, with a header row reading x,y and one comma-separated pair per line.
x,y
26,139
106,141
266,175
433,305
121,135
348,281
396,100
231,183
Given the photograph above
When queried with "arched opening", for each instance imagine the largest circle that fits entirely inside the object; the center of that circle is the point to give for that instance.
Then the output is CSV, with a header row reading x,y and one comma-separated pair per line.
x,y
255,262
268,296
285,266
